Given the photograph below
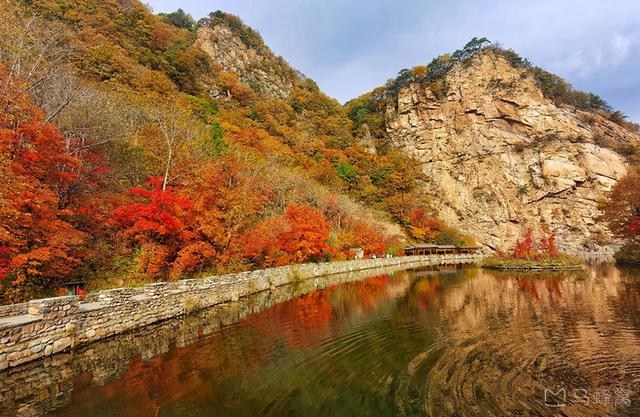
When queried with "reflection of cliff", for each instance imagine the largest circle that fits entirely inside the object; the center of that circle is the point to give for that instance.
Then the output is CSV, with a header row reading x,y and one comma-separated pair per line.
x,y
430,288
505,331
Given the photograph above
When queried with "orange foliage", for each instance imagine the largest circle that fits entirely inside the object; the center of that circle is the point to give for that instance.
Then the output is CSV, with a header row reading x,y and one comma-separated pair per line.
x,y
37,242
622,209
234,88
161,37
300,235
262,141
365,235
225,203
423,227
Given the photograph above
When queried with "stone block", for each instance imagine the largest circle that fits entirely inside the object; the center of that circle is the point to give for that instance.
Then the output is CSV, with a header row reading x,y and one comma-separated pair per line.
x,y
61,344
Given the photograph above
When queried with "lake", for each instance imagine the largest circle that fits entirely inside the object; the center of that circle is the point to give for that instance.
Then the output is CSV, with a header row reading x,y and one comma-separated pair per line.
x,y
448,341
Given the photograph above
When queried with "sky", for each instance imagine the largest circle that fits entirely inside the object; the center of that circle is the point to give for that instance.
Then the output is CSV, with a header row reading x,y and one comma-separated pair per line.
x,y
350,47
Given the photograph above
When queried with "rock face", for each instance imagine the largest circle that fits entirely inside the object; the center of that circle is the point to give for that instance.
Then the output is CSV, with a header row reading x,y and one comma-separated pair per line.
x,y
500,158
255,65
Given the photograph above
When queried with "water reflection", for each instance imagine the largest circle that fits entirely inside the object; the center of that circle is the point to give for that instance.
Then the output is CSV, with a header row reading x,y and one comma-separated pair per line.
x,y
506,338
458,342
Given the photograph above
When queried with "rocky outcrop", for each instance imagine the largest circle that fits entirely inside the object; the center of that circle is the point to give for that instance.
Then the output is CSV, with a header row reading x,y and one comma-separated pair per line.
x,y
500,158
255,65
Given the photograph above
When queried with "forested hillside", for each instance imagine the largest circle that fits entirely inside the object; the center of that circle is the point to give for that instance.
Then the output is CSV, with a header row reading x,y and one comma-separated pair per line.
x,y
131,152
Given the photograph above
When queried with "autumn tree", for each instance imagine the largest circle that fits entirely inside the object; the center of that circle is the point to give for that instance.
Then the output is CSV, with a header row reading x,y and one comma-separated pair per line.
x,y
548,242
306,238
621,212
226,202
364,234
528,248
423,227
160,228
622,208
171,139
38,244
300,235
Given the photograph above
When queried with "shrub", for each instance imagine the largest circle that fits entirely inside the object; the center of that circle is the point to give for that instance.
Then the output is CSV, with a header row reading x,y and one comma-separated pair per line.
x,y
346,172
179,19
628,255
527,248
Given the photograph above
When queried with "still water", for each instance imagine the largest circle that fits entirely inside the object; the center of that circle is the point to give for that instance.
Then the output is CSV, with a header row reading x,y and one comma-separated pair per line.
x,y
450,342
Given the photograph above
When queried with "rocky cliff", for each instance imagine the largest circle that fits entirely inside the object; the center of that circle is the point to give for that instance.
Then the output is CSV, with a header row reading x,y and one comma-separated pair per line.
x,y
500,158
238,49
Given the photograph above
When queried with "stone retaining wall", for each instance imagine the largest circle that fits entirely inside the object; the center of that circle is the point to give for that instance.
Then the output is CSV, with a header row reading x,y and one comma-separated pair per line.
x,y
40,328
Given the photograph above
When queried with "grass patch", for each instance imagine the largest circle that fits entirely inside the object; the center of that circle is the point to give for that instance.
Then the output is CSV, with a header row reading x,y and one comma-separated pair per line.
x,y
296,277
560,262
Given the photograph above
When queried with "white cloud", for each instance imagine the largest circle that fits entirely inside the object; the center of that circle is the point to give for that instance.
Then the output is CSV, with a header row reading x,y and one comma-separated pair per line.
x,y
606,55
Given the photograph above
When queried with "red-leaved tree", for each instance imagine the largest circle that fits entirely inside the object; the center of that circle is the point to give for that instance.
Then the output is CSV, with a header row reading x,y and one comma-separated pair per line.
x,y
160,228
525,247
38,244
547,246
300,235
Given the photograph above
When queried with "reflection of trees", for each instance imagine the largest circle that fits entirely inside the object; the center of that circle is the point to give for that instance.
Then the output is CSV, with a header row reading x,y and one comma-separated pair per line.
x,y
303,321
306,321
100,364
256,358
183,372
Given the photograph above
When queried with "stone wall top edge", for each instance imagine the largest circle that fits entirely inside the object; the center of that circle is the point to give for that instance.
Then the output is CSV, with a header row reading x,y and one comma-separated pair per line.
x,y
322,267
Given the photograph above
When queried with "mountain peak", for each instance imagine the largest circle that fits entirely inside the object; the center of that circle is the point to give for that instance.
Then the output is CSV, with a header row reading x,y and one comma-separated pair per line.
x,y
237,48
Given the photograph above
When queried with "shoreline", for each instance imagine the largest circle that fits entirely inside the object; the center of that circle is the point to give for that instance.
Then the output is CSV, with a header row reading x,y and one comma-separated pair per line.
x,y
535,268
41,328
